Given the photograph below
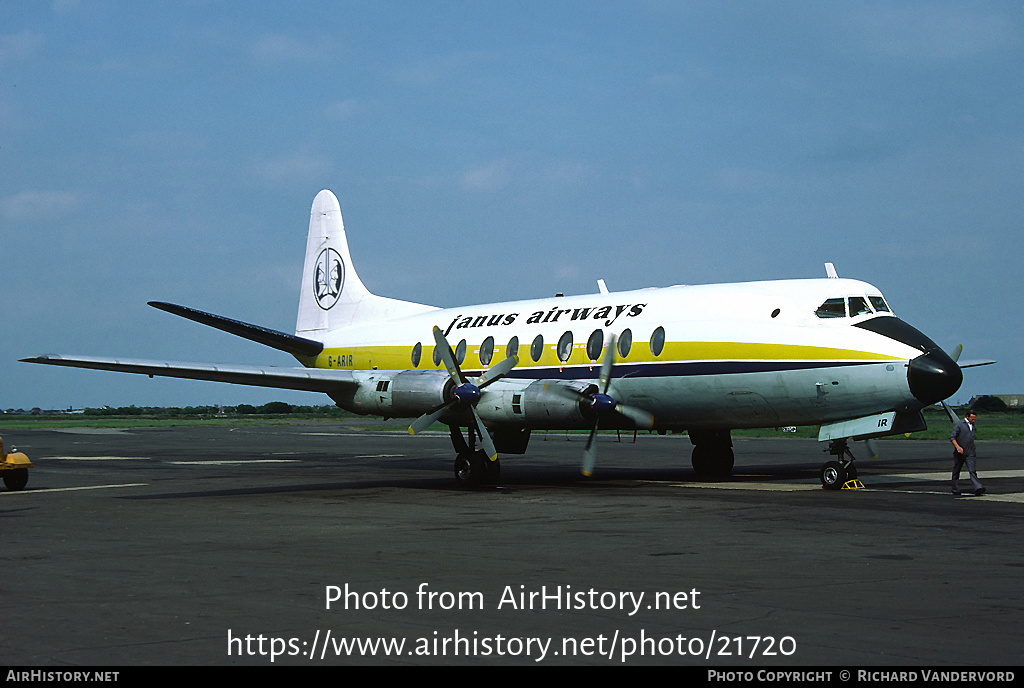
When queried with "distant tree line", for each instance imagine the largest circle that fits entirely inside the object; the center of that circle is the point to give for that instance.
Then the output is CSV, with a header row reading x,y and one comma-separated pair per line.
x,y
271,408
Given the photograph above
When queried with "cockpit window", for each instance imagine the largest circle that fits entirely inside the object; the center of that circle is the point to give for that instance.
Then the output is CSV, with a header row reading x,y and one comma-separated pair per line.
x,y
832,308
858,306
879,303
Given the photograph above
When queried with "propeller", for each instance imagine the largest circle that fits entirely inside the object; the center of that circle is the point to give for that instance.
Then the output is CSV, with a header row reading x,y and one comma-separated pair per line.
x,y
955,355
465,393
602,405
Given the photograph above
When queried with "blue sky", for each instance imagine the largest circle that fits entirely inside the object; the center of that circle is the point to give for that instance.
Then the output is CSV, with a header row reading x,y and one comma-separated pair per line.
x,y
488,151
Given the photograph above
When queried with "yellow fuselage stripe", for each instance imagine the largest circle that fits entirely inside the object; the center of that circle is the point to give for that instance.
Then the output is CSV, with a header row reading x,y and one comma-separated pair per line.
x,y
400,357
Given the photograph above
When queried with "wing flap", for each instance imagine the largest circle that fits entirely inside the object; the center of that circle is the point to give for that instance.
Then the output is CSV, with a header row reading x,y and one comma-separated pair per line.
x,y
306,379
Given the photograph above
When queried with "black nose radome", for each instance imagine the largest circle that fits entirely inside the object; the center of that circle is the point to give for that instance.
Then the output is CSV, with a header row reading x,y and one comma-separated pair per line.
x,y
934,377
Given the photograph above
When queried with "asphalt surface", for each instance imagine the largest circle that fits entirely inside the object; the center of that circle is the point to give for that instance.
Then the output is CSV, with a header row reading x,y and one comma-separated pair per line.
x,y
223,546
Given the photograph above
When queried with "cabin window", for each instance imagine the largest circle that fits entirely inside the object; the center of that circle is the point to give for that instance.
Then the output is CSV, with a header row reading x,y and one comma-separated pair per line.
x,y
832,308
564,347
437,355
879,303
858,306
513,347
625,343
658,341
595,345
487,351
460,352
417,352
537,348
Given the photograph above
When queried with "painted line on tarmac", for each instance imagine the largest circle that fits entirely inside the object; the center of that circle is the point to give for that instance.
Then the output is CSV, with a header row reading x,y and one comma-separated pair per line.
x,y
763,487
232,462
95,458
73,489
876,483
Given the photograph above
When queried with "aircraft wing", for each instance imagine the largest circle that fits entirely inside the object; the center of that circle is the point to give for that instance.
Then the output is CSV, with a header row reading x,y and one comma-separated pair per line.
x,y
307,379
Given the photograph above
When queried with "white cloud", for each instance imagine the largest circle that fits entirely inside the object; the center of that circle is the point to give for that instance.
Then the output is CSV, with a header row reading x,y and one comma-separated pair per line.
x,y
440,69
929,32
17,46
282,48
40,204
291,168
491,176
346,108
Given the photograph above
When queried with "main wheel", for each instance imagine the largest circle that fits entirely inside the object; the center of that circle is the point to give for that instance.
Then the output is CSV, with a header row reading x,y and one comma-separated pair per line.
x,y
16,479
712,463
833,475
471,469
492,471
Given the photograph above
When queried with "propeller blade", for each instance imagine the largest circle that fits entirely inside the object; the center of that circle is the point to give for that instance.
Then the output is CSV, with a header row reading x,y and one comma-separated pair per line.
x,y
497,371
485,437
566,392
427,419
949,412
641,419
872,448
606,366
590,453
955,353
447,358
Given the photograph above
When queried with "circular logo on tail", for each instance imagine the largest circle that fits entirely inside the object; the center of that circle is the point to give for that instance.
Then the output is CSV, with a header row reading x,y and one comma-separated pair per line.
x,y
329,277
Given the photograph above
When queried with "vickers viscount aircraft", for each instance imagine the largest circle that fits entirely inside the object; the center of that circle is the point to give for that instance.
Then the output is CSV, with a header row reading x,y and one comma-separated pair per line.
x,y
702,359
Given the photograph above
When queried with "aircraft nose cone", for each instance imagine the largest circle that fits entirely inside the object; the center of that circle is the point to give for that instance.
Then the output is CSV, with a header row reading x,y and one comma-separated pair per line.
x,y
934,376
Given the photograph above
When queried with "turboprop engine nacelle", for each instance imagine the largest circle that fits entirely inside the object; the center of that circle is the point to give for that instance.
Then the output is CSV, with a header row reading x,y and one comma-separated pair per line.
x,y
537,404
405,394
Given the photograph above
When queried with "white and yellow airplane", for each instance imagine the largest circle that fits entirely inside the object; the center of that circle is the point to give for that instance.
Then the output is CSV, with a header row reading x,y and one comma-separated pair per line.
x,y
703,359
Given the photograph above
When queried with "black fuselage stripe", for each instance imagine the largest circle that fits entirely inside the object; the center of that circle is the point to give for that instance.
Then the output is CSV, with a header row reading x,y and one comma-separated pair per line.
x,y
679,369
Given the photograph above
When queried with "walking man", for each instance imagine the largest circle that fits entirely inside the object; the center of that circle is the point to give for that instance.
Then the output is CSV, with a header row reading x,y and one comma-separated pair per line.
x,y
963,452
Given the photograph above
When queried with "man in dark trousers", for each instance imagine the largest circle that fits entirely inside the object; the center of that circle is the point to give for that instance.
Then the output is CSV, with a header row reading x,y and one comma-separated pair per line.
x,y
963,452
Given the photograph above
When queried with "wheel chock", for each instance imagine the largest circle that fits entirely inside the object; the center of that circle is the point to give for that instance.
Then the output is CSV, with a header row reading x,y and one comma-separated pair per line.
x,y
853,485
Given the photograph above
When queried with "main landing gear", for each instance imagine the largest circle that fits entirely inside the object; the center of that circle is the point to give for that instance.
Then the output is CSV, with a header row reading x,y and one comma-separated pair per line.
x,y
712,457
835,474
472,465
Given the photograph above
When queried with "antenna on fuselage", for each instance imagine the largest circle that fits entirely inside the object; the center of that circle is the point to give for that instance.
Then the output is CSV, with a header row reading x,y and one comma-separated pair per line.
x,y
830,270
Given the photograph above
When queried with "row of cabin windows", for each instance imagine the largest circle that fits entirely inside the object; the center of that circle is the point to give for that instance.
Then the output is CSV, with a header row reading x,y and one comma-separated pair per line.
x,y
858,305
595,347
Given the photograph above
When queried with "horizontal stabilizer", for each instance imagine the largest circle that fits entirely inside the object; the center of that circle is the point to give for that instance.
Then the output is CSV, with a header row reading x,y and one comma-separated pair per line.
x,y
975,362
298,346
304,379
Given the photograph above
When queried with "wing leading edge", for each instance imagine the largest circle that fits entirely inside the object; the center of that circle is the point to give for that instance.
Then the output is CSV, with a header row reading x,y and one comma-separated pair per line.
x,y
304,379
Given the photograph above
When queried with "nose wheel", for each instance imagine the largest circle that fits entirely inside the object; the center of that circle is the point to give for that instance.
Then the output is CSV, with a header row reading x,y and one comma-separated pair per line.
x,y
835,474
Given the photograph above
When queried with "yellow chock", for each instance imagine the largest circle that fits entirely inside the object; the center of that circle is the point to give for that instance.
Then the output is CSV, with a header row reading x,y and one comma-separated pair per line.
x,y
853,485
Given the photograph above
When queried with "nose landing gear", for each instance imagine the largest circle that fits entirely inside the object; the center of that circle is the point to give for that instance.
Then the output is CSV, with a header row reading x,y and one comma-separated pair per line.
x,y
837,473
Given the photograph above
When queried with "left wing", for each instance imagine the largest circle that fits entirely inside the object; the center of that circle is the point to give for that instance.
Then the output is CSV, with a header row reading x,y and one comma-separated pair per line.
x,y
307,379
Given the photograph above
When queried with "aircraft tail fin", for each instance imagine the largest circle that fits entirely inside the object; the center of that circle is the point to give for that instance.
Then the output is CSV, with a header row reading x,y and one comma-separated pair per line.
x,y
332,294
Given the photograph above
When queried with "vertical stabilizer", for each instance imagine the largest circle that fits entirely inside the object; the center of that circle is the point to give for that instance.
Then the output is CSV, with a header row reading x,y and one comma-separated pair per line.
x,y
332,294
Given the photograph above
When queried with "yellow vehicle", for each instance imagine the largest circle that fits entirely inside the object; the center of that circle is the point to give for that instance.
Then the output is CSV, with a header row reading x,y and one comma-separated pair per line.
x,y
14,468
